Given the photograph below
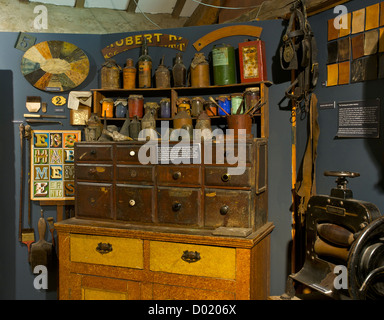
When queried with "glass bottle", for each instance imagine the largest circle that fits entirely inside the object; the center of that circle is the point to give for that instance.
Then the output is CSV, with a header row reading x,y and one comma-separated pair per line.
x,y
179,72
145,67
129,75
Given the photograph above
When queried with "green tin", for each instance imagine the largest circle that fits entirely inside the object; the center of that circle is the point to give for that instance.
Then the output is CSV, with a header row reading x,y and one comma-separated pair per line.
x,y
224,65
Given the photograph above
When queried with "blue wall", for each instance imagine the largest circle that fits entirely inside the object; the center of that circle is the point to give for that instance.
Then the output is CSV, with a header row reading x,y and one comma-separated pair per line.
x,y
18,281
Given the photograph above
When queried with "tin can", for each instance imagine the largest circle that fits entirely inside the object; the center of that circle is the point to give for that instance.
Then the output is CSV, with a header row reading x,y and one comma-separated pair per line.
x,y
165,108
210,108
236,103
110,75
251,97
225,103
224,65
136,105
129,75
107,108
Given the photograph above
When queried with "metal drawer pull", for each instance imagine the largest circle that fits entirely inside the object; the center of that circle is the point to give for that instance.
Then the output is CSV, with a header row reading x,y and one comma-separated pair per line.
x,y
104,248
176,175
225,177
132,202
132,153
224,210
176,206
190,256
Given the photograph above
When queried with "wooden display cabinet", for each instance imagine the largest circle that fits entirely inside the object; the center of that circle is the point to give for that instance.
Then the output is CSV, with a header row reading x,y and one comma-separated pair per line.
x,y
101,260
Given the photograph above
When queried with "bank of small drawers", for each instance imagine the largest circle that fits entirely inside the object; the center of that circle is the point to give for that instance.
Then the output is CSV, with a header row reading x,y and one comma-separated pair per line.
x,y
112,184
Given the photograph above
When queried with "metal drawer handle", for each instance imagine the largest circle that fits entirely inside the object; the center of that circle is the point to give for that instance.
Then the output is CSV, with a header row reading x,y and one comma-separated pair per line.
x,y
132,202
225,177
224,210
104,248
176,175
176,206
190,256
132,153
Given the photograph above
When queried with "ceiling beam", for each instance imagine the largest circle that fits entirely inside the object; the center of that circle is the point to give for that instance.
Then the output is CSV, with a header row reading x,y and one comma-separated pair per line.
x,y
204,15
178,8
280,9
79,4
132,6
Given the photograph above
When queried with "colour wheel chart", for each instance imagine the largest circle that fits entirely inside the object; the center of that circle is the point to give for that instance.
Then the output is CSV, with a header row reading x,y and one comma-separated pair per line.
x,y
55,66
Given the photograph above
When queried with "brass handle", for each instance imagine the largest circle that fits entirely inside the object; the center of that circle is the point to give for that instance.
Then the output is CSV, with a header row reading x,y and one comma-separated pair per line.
x,y
224,210
225,177
176,206
104,248
190,256
176,175
132,202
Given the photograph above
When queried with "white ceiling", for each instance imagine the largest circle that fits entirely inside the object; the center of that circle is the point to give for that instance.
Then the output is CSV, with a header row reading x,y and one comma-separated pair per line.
x,y
146,6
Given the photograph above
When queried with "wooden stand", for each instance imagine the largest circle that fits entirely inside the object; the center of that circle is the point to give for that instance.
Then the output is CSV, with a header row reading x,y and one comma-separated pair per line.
x,y
108,260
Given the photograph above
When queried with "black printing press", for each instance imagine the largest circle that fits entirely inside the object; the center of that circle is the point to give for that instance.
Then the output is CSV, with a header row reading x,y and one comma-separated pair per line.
x,y
344,249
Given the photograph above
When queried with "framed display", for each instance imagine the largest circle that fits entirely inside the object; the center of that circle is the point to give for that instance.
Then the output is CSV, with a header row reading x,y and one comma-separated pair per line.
x,y
55,66
52,164
252,61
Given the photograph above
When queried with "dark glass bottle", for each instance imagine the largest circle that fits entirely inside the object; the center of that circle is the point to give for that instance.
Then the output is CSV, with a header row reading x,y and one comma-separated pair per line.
x,y
179,72
145,67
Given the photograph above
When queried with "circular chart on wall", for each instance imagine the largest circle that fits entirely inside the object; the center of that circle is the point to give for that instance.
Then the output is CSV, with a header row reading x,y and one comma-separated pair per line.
x,y
55,66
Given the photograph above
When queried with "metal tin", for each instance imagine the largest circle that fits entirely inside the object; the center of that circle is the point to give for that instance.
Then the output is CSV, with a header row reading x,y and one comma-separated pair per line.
x,y
129,75
136,105
224,65
210,108
110,75
225,103
107,107
236,103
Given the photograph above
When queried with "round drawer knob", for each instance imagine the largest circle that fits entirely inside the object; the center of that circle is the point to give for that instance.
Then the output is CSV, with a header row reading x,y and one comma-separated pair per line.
x,y
224,210
225,177
176,206
132,202
132,153
176,175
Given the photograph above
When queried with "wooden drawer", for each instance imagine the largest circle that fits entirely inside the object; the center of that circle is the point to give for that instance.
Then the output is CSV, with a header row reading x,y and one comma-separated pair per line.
x,y
227,154
134,203
94,200
175,175
217,262
134,174
93,152
219,176
178,205
130,153
94,172
228,208
110,251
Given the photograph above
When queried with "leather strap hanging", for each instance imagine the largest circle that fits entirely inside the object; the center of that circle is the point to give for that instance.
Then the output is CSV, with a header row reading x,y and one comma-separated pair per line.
x,y
307,186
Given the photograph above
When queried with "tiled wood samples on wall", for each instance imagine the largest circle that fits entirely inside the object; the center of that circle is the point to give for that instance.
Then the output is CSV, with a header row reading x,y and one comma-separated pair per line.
x,y
356,48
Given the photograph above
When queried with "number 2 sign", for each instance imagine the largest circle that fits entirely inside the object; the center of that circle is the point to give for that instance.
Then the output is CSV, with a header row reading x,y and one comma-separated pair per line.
x,y
59,100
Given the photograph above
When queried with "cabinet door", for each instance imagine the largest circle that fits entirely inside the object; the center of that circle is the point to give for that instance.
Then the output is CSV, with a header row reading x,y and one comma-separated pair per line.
x,y
94,200
178,205
228,208
134,203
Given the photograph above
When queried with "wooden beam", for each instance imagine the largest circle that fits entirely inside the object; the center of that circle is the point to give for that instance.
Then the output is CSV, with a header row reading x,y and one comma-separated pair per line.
x,y
79,3
132,6
280,9
204,15
178,8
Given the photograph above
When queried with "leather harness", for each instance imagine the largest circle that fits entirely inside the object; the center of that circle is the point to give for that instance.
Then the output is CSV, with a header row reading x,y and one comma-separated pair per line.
x,y
299,52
